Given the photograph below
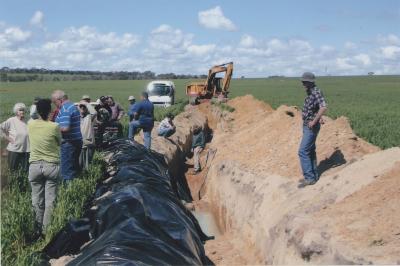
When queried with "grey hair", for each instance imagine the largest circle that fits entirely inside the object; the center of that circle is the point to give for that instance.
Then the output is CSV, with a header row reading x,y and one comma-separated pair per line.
x,y
59,95
18,106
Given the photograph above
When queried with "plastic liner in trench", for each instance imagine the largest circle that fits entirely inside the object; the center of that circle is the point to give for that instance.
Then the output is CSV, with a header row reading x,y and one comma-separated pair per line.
x,y
139,221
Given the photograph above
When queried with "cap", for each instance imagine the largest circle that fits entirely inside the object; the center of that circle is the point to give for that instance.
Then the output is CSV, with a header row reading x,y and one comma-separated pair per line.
x,y
103,99
85,97
308,76
131,98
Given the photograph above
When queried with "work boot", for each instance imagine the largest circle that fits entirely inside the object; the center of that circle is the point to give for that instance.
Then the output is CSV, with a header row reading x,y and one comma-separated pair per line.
x,y
306,182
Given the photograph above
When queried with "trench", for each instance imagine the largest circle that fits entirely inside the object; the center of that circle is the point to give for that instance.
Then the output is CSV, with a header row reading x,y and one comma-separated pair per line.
x,y
111,218
211,215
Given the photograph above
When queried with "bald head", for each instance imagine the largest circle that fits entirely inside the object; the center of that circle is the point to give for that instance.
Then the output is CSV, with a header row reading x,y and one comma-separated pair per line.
x,y
58,97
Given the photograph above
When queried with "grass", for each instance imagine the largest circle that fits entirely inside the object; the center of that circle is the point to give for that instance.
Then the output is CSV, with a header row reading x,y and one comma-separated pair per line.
x,y
370,102
17,217
223,106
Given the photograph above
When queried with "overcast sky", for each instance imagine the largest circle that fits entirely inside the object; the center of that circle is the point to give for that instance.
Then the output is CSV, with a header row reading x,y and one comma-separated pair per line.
x,y
262,38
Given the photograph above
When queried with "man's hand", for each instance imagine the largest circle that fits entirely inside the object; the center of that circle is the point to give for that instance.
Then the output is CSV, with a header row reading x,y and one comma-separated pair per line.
x,y
311,124
321,121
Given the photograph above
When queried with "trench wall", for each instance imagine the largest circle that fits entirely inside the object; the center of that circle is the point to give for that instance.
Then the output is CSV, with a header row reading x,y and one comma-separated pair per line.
x,y
282,224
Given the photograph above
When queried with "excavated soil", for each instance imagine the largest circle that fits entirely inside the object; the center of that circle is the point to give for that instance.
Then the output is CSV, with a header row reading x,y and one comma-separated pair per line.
x,y
249,184
349,216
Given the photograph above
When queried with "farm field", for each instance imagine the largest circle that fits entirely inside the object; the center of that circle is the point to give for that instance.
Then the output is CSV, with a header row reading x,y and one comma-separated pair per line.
x,y
370,102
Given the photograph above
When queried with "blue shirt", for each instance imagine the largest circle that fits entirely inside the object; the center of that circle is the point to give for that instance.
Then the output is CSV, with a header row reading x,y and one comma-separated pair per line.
x,y
69,116
145,109
131,111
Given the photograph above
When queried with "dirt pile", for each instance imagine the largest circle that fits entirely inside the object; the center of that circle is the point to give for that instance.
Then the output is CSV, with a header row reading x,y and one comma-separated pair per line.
x,y
264,140
349,216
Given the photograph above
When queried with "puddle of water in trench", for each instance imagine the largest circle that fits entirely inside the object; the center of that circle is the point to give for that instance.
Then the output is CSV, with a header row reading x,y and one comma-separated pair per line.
x,y
207,222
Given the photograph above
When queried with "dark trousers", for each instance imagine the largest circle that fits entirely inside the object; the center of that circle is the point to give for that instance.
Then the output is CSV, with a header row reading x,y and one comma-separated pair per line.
x,y
70,152
18,160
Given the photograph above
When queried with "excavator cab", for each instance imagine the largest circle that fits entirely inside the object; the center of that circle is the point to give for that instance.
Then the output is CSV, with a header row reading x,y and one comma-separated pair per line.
x,y
213,86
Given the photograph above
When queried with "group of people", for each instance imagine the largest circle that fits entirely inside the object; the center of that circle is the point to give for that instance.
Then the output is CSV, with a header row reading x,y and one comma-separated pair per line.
x,y
62,142
57,143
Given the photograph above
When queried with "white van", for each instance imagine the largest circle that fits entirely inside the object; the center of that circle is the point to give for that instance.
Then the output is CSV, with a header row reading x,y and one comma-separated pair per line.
x,y
161,92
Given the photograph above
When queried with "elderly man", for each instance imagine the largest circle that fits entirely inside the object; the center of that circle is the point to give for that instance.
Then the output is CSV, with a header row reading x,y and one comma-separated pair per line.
x,y
314,107
69,120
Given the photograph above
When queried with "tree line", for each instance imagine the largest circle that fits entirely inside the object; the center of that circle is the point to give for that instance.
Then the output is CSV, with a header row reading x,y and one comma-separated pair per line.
x,y
42,74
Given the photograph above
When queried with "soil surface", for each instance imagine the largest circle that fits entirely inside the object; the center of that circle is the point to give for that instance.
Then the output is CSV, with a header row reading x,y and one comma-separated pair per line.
x,y
349,216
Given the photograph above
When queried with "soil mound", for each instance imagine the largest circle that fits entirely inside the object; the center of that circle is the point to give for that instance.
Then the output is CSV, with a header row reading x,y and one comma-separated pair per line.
x,y
349,216
267,140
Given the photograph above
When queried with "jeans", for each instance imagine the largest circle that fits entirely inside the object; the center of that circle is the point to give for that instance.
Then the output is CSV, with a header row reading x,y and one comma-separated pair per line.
x,y
166,132
134,125
70,152
307,154
44,178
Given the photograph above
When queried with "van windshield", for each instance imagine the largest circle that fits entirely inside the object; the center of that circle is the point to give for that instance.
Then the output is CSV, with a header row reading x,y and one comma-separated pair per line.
x,y
159,90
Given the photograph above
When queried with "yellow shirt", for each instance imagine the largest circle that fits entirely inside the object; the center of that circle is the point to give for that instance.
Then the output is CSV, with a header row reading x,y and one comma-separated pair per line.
x,y
45,139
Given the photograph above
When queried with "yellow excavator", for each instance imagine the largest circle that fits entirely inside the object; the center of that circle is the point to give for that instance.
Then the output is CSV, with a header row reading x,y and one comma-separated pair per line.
x,y
213,86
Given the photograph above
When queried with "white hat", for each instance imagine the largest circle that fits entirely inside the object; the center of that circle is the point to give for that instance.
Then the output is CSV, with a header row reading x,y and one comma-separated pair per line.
x,y
84,97
130,98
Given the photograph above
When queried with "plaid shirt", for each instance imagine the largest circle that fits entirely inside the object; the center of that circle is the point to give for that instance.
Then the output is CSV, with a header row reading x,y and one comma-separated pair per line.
x,y
312,103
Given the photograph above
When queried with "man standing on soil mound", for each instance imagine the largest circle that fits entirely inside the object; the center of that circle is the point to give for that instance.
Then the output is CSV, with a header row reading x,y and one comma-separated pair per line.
x,y
313,109
143,114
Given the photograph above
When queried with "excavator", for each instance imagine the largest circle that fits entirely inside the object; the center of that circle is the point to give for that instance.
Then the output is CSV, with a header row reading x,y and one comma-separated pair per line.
x,y
213,86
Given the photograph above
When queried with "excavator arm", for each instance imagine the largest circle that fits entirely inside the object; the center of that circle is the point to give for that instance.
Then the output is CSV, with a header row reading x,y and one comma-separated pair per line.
x,y
210,84
213,86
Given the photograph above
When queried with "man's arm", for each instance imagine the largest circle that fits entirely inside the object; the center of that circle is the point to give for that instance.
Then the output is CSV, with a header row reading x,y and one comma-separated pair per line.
x,y
319,97
320,113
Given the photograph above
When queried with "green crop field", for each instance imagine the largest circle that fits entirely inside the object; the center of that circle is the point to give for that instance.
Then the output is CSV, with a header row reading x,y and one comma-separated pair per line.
x,y
371,102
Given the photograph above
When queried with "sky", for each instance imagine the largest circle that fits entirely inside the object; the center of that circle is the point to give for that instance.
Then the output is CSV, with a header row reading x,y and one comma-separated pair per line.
x,y
261,37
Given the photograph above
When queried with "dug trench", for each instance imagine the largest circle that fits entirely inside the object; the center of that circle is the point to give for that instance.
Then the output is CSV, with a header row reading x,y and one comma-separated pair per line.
x,y
248,189
246,195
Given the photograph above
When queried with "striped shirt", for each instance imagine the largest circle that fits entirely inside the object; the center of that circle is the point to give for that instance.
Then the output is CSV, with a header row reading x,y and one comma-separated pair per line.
x,y
69,117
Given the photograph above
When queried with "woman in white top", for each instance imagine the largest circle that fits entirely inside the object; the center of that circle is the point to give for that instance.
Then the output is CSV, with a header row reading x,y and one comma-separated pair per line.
x,y
15,131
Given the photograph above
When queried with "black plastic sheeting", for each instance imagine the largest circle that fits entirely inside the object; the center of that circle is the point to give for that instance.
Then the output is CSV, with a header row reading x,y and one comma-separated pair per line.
x,y
141,221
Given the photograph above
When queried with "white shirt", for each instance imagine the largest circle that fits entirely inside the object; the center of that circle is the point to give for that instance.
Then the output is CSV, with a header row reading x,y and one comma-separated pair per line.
x,y
17,130
165,124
